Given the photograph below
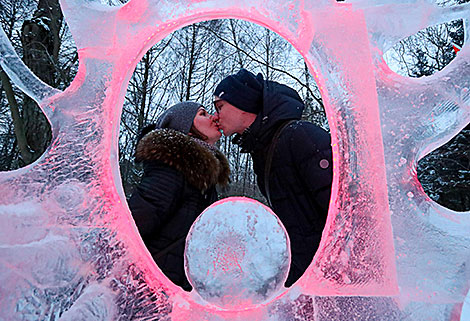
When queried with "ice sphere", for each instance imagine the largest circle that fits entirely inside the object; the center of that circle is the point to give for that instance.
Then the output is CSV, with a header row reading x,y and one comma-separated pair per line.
x,y
237,253
69,247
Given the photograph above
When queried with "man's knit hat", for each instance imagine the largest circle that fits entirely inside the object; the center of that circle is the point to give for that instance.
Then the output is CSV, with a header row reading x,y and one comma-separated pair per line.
x,y
243,90
179,117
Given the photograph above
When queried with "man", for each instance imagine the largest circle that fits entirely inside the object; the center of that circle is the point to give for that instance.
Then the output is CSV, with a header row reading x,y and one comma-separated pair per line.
x,y
291,158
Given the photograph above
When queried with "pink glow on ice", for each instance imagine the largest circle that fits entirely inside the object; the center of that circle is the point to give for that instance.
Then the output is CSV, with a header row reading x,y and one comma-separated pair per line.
x,y
350,52
382,230
133,11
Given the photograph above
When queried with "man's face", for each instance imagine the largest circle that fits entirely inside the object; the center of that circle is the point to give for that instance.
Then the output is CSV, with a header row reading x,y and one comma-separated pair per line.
x,y
228,117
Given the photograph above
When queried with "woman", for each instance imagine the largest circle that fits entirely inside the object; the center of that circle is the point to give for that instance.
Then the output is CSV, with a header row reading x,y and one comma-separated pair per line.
x,y
181,169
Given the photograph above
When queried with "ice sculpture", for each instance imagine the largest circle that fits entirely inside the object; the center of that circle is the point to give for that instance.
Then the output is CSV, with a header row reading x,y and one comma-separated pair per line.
x,y
70,250
237,254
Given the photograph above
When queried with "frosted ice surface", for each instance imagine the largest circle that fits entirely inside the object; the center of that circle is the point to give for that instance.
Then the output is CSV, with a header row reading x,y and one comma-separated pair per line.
x,y
70,250
237,253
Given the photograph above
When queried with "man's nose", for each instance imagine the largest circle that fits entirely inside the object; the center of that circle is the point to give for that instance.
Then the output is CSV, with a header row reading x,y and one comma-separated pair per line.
x,y
215,117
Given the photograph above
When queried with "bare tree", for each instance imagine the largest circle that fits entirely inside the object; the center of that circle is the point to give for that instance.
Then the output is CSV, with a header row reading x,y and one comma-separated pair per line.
x,y
14,140
38,32
40,37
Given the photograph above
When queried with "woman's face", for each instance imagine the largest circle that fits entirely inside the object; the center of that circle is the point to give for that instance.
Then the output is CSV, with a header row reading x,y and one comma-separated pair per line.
x,y
205,123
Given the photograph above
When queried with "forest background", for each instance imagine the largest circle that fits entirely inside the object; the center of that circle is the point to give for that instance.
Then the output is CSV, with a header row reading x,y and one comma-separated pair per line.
x,y
187,65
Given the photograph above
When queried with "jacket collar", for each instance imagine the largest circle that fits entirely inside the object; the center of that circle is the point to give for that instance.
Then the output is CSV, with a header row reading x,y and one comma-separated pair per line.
x,y
280,103
202,165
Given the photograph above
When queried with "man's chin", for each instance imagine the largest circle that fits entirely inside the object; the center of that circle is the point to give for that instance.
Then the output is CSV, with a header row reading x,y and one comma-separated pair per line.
x,y
227,134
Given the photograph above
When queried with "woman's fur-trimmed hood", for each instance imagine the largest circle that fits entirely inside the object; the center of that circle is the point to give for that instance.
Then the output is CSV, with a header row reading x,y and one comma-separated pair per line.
x,y
201,165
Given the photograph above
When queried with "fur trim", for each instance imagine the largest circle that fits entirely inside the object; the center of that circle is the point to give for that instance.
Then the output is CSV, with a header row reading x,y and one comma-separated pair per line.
x,y
202,167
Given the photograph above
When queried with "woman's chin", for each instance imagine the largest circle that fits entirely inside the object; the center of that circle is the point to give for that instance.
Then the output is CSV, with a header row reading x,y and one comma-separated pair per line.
x,y
214,138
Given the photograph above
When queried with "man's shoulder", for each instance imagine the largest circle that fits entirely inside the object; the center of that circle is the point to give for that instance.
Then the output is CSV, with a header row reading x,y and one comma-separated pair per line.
x,y
303,135
301,128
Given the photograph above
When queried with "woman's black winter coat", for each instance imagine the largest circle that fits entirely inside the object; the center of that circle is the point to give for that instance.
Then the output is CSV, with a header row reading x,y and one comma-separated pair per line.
x,y
180,175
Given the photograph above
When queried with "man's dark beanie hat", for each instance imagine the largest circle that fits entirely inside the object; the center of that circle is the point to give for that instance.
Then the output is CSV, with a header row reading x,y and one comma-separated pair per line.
x,y
243,90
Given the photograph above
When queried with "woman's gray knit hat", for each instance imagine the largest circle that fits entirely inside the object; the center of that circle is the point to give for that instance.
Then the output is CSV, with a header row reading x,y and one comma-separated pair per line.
x,y
179,117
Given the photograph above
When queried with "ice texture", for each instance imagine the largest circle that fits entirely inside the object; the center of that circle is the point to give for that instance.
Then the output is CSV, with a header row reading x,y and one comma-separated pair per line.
x,y
237,253
70,250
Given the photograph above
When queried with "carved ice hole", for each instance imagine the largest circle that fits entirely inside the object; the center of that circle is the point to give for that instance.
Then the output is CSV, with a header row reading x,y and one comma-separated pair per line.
x,y
445,173
441,41
130,171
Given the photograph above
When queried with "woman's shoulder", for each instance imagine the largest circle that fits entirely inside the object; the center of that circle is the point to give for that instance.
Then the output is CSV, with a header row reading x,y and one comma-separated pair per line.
x,y
161,144
200,166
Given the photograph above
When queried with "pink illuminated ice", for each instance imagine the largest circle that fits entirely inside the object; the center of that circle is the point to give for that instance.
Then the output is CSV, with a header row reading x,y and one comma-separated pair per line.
x,y
69,248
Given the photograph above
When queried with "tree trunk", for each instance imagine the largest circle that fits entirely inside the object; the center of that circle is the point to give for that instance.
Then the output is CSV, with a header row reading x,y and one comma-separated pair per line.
x,y
41,43
143,103
192,61
235,41
268,47
26,154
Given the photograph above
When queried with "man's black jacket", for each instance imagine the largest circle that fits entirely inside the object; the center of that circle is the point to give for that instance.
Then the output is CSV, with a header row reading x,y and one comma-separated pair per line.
x,y
301,171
